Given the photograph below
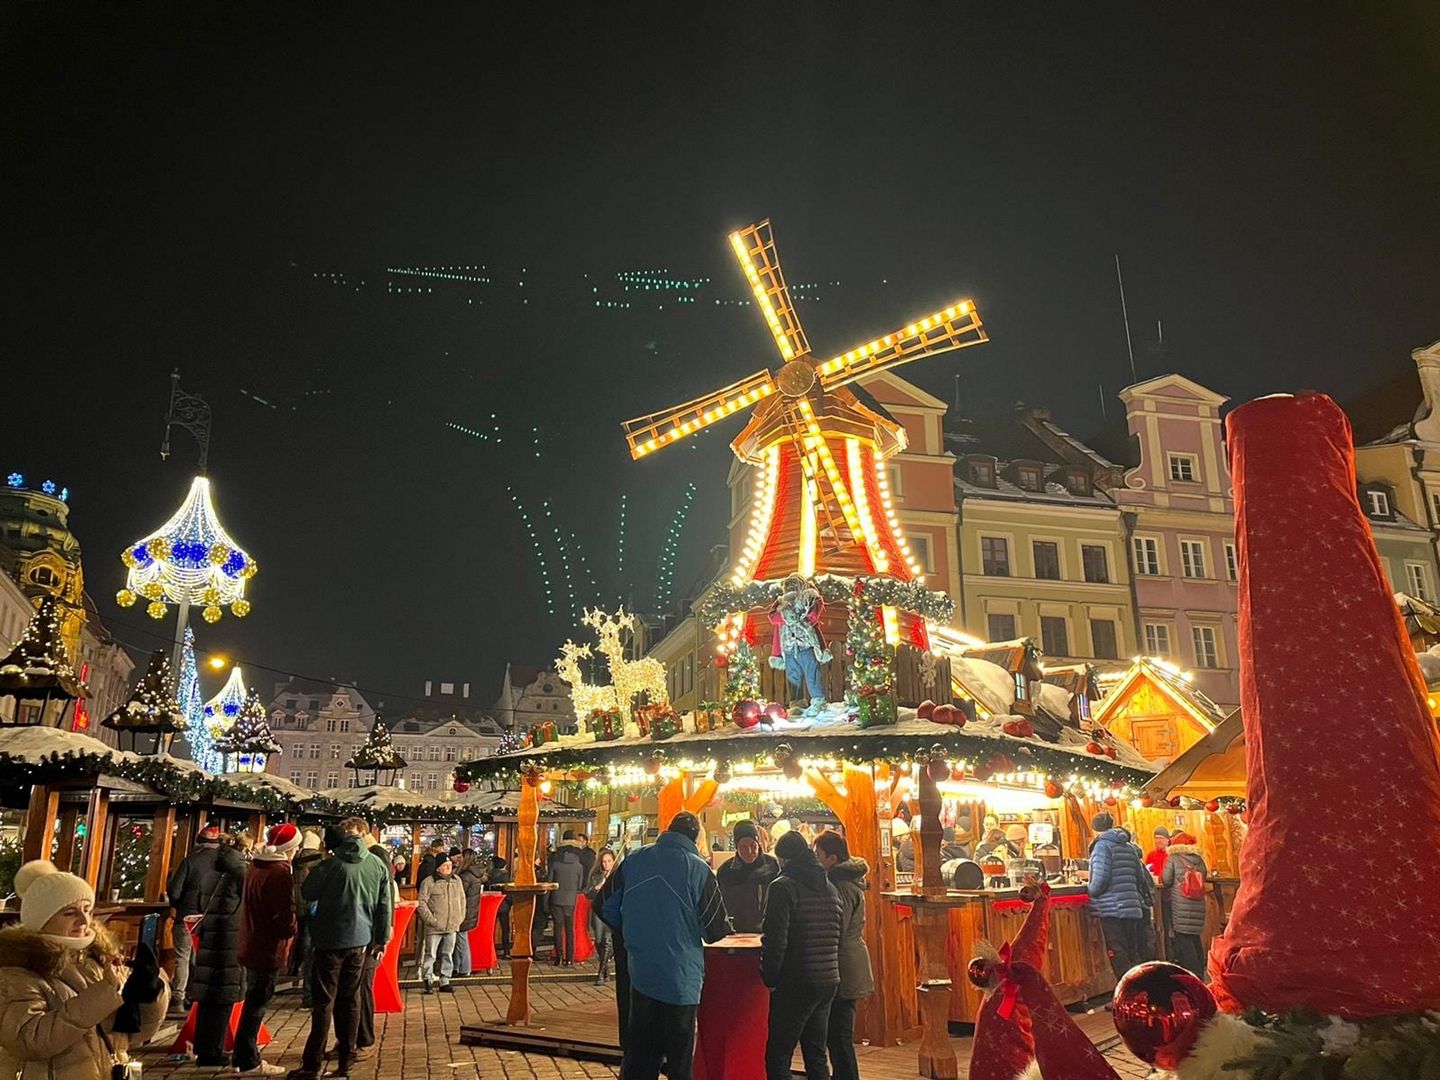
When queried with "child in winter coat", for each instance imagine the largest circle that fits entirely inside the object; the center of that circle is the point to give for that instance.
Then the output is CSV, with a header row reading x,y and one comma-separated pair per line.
x,y
62,982
441,911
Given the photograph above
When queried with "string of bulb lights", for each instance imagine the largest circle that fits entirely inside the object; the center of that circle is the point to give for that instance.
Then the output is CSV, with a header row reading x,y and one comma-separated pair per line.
x,y
665,578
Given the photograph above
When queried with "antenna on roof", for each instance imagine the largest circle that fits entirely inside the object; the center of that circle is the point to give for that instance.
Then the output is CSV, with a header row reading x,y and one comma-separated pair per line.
x,y
1129,349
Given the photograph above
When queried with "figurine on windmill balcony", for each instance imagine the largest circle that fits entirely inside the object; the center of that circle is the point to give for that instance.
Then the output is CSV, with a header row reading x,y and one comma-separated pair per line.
x,y
797,648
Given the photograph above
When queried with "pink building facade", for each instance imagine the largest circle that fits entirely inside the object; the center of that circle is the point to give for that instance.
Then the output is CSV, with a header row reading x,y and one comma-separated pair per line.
x,y
1180,516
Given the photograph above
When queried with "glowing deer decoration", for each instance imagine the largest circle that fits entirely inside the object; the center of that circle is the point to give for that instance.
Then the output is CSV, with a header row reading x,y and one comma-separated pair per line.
x,y
629,678
584,697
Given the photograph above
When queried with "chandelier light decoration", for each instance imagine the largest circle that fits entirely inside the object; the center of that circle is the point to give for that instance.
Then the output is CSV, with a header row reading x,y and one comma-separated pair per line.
x,y
190,560
223,709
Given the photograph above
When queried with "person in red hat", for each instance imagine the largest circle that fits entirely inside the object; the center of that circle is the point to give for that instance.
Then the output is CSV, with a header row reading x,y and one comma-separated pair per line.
x,y
267,926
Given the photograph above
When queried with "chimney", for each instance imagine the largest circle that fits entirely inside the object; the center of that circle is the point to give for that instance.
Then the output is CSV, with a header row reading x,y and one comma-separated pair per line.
x,y
1427,364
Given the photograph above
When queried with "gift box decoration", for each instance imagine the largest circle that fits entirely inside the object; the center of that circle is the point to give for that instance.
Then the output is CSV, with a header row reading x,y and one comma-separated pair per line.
x,y
540,734
664,722
877,706
707,717
605,724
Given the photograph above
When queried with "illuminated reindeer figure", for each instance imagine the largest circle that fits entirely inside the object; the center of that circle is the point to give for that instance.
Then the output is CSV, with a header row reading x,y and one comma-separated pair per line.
x,y
629,678
584,697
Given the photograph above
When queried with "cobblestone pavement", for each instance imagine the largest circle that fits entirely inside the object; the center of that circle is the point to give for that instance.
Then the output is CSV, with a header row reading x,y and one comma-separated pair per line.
x,y
423,1042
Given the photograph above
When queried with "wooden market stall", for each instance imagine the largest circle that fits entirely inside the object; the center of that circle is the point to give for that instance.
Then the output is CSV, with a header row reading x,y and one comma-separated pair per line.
x,y
921,935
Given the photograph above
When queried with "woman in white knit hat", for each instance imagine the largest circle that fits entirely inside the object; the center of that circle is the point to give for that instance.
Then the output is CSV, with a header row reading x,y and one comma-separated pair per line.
x,y
65,992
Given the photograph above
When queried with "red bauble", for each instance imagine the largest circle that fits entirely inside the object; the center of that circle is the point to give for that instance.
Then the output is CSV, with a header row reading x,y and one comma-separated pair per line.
x,y
1146,801
1213,806
979,973
1053,790
1159,1009
1110,752
632,798
1110,800
775,712
461,786
877,661
653,765
1175,803
746,714
1019,728
1233,808
722,661
942,714
1094,748
957,773
926,710
938,769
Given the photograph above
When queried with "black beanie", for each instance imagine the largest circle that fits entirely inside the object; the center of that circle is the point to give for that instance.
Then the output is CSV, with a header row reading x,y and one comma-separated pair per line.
x,y
745,830
792,846
1102,822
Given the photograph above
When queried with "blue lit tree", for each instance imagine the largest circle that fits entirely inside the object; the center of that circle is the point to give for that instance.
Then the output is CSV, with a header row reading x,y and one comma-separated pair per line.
x,y
198,734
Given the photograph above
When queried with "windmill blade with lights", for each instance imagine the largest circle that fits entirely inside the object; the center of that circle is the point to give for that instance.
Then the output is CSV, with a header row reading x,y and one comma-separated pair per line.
x,y
822,503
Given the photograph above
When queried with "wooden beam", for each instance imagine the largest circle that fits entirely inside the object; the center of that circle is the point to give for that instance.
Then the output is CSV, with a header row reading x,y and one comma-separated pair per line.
x,y
927,880
415,854
107,856
65,834
162,834
40,822
97,815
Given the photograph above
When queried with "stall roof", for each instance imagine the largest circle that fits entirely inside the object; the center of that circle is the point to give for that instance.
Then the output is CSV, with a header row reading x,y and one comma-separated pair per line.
x,y
832,735
1212,767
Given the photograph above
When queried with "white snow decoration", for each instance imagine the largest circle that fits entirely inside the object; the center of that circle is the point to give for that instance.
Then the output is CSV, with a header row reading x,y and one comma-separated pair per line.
x,y
992,686
1055,700
1430,665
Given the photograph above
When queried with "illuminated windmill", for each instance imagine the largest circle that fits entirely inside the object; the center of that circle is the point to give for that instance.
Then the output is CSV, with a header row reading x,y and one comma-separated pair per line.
x,y
822,505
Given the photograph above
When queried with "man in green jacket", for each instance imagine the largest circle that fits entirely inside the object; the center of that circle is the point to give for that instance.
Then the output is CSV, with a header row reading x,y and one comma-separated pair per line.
x,y
351,914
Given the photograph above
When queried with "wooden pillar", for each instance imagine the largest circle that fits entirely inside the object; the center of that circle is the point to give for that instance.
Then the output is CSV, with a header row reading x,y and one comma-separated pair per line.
x,y
415,854
65,834
932,931
97,815
162,834
524,891
40,822
256,825
107,856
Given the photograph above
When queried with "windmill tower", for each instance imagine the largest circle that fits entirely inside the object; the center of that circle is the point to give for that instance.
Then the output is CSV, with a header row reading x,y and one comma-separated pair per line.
x,y
822,505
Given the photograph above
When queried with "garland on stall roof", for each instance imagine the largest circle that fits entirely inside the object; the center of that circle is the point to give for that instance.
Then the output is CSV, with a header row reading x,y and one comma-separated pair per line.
x,y
166,778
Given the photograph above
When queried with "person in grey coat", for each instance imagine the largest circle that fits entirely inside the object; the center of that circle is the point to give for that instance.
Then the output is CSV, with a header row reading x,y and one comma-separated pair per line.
x,y
1187,913
441,911
847,873
567,870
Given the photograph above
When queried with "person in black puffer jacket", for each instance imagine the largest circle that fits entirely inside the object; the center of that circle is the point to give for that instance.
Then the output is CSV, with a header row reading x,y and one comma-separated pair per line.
x,y
800,959
217,981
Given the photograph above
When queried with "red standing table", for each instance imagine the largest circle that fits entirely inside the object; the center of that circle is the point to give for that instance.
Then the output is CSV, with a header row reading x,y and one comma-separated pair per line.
x,y
187,1032
584,944
387,972
482,938
734,1017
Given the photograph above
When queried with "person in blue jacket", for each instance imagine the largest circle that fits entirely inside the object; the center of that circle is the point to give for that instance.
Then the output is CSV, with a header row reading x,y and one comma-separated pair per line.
x,y
1116,877
666,903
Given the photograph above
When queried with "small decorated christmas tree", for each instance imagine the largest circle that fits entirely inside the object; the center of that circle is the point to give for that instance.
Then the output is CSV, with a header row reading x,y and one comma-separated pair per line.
x,y
249,741
192,704
38,670
152,708
377,756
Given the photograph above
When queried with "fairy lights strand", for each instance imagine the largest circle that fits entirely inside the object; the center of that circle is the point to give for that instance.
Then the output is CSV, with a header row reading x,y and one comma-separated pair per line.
x,y
665,579
564,558
762,511
620,547
535,546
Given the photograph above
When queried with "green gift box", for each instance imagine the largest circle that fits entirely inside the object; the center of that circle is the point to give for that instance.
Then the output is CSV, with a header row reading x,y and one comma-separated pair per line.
x,y
877,706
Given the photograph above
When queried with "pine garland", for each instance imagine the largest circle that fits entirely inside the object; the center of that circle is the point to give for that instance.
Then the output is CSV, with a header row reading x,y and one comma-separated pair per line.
x,y
1308,1046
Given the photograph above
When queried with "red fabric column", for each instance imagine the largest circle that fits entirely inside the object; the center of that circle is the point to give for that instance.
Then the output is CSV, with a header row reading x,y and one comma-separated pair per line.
x,y
1329,915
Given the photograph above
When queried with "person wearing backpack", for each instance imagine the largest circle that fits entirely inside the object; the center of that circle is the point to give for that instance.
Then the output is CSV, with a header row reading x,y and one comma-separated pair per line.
x,y
1184,880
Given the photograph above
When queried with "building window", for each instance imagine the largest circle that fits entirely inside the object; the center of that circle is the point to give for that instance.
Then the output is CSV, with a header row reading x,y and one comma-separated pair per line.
x,y
1435,507
994,556
1096,564
1192,558
290,704
1182,468
1000,627
312,778
295,776
1102,636
345,725
982,474
1022,689
354,780
1417,577
334,750
1047,560
434,753
330,724
43,575
1078,481
1157,639
449,753
465,754
920,549
314,705
315,751
895,476
1054,638
332,779
1029,477
432,781
1147,555
1377,503
1206,655
1232,566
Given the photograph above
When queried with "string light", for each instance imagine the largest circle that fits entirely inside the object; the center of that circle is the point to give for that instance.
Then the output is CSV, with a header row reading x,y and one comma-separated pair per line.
x,y
223,709
564,557
535,546
855,463
762,512
198,735
665,579
190,559
620,545
882,483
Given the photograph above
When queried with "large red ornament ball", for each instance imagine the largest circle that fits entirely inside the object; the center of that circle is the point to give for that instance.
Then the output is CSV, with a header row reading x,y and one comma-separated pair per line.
x,y
938,769
1233,808
925,710
721,660
632,798
746,714
653,765
1213,806
461,786
1053,790
941,714
1110,800
1159,1010
1094,748
775,712
1147,801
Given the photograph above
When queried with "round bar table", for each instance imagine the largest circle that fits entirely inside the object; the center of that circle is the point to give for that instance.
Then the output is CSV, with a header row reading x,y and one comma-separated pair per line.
x,y
482,938
387,972
734,1017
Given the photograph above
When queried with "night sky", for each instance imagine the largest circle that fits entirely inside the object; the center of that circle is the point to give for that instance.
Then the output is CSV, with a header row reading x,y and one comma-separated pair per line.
x,y
223,190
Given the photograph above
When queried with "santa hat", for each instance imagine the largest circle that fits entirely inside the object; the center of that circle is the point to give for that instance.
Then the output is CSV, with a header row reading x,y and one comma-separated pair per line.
x,y
1004,1046
1306,930
209,833
1062,1050
281,842
45,889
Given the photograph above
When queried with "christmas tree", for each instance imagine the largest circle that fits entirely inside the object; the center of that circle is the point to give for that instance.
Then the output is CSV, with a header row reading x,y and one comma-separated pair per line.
x,y
38,669
742,676
377,755
250,740
197,732
152,708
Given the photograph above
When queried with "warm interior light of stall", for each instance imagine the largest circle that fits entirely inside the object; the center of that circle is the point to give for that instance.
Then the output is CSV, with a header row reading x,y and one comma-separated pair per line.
x,y
995,797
